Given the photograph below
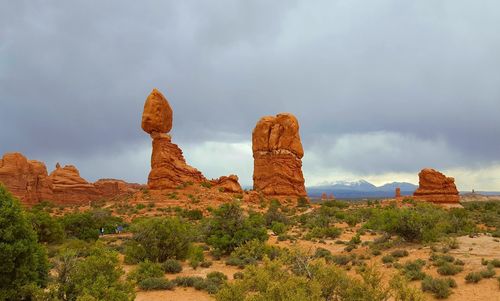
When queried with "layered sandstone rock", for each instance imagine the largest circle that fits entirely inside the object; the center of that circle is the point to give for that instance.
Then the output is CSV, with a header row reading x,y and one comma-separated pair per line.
x,y
70,188
26,179
168,166
228,184
277,152
436,187
113,187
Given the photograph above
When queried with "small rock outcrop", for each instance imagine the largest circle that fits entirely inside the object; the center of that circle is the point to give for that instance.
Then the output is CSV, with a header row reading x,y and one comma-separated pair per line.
x,y
436,187
397,192
113,187
26,179
227,184
69,187
277,152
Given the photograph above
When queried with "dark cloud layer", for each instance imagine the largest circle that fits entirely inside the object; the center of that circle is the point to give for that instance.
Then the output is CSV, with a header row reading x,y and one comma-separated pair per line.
x,y
421,75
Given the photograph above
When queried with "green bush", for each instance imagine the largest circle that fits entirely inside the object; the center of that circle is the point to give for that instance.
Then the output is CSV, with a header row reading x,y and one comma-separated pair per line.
x,y
440,288
146,269
399,253
278,228
447,269
159,239
95,277
421,223
195,256
80,225
172,266
388,259
228,228
47,228
159,283
194,214
489,272
23,262
495,262
251,252
473,277
412,270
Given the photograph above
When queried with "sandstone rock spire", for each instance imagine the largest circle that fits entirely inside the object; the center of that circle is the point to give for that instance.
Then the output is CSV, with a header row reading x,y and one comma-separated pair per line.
x,y
277,152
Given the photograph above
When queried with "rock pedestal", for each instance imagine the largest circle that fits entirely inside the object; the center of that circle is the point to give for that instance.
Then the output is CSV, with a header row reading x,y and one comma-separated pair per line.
x,y
277,152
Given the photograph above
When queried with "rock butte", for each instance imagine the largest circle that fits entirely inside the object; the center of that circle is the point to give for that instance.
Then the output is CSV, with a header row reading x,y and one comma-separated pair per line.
x,y
168,166
435,187
29,181
277,152
397,192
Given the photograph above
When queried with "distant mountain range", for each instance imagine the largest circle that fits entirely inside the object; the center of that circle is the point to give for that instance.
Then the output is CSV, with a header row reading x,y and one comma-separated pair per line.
x,y
360,189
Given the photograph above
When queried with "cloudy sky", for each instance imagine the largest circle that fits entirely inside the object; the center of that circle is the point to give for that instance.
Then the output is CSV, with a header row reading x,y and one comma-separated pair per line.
x,y
382,88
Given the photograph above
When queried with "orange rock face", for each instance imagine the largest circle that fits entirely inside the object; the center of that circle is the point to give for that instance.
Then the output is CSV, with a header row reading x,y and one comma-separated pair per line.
x,y
26,179
436,187
168,166
29,181
70,188
228,184
278,152
157,115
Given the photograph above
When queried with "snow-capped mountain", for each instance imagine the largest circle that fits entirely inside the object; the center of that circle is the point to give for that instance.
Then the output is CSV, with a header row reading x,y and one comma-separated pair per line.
x,y
360,189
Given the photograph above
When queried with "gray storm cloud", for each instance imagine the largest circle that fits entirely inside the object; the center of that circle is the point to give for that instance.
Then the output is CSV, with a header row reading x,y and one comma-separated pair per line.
x,y
378,86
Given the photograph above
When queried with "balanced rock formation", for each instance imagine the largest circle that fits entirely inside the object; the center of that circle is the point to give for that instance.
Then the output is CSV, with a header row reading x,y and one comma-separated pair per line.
x,y
436,187
277,152
227,184
157,115
26,179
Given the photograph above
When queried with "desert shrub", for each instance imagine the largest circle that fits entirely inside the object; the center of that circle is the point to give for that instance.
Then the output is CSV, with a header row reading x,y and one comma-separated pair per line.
x,y
275,214
302,202
495,263
80,225
144,270
340,259
206,264
388,259
47,228
229,228
95,277
421,223
447,269
172,266
238,275
194,214
251,252
163,238
278,228
488,272
23,261
473,277
322,253
403,292
399,253
440,288
323,232
195,256
187,281
158,283
412,270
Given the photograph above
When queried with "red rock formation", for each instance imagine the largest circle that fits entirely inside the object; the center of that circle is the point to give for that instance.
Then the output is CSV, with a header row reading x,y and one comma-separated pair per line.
x,y
168,166
29,181
398,192
277,152
70,188
332,197
436,187
157,115
26,179
228,184
324,197
113,187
